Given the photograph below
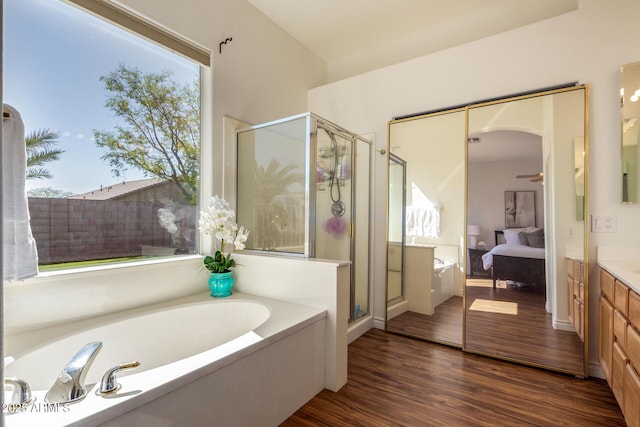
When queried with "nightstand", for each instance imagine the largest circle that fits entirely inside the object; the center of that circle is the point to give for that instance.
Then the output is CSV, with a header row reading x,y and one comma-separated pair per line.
x,y
475,263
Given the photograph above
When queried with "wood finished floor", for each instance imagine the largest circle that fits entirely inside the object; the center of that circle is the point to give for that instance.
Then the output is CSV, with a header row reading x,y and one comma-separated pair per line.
x,y
445,325
528,336
395,380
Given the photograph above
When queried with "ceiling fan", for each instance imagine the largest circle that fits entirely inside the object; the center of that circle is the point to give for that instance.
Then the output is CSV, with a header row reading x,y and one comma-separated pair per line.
x,y
533,178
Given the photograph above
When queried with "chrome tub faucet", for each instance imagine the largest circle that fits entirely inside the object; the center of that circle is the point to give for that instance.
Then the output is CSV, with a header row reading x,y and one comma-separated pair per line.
x,y
69,386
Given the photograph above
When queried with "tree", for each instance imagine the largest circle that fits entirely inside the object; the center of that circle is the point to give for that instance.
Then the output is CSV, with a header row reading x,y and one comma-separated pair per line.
x,y
40,150
272,183
161,134
48,193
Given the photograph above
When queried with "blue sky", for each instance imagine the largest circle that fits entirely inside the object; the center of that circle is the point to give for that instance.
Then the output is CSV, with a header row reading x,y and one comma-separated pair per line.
x,y
54,56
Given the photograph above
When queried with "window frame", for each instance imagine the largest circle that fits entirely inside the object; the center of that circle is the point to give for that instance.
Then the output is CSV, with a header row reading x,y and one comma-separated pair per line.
x,y
141,26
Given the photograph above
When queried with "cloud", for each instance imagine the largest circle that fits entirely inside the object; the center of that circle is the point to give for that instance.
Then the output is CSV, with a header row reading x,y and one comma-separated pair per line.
x,y
80,136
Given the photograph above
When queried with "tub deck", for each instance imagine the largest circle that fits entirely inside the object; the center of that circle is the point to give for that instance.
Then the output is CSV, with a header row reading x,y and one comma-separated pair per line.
x,y
290,343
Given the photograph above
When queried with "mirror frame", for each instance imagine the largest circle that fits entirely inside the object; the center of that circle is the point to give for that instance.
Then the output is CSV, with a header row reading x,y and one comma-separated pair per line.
x,y
586,216
629,74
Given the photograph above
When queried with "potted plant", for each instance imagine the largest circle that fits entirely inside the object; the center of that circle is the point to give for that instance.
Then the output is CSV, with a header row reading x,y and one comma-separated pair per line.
x,y
218,220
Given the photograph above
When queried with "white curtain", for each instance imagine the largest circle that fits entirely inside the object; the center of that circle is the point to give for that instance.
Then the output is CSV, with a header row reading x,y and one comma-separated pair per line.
x,y
20,255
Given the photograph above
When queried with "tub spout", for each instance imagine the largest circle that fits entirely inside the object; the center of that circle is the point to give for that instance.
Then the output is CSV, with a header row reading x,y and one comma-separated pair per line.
x,y
69,386
21,391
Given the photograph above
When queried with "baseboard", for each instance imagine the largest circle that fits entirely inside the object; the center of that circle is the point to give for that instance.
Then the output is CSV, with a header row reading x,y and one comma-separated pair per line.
x,y
595,370
378,323
563,325
358,329
397,309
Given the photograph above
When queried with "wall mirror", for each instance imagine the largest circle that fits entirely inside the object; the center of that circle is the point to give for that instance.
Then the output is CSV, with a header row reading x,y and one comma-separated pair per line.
x,y
630,121
495,174
427,161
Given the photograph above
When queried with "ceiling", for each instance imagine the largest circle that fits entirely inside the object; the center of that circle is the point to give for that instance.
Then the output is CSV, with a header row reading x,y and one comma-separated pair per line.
x,y
355,36
506,145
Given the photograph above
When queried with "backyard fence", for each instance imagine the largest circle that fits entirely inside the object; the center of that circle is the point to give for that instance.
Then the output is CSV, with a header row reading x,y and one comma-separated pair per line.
x,y
68,230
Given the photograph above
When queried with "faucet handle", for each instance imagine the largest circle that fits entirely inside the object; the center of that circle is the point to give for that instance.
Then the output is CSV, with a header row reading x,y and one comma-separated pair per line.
x,y
109,383
21,391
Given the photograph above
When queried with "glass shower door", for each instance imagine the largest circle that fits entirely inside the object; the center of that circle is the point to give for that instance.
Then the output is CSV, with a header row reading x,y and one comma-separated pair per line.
x,y
271,186
361,199
333,196
303,187
396,226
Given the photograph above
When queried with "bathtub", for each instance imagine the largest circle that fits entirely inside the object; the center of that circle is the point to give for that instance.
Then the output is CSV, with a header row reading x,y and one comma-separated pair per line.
x,y
442,283
242,360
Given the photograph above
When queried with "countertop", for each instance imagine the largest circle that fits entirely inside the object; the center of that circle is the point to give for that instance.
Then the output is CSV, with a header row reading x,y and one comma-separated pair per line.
x,y
623,263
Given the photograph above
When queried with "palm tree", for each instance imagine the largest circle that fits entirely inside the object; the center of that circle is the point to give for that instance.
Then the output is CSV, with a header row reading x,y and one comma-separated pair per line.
x,y
272,183
40,150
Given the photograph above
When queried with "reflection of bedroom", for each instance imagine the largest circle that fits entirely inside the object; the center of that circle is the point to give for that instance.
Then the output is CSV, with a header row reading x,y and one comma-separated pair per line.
x,y
494,163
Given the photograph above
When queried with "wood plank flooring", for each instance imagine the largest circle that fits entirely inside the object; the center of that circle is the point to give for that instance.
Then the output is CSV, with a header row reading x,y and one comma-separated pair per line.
x,y
527,336
444,326
395,380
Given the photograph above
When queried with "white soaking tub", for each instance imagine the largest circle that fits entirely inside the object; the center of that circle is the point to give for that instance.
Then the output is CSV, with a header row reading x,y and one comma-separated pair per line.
x,y
241,360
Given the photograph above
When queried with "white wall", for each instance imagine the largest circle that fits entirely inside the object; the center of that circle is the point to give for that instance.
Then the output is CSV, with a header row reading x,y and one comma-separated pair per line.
x,y
263,74
587,45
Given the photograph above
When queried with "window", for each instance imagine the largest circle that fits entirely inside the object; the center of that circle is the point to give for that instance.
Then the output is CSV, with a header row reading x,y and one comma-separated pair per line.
x,y
112,125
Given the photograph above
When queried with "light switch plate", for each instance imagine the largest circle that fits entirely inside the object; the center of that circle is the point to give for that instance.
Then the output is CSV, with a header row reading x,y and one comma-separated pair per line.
x,y
603,224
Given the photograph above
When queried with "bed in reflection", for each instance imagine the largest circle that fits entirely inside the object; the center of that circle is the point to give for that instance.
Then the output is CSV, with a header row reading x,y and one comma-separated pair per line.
x,y
520,259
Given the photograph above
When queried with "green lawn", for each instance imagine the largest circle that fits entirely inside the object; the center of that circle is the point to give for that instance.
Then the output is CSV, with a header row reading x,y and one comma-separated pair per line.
x,y
91,263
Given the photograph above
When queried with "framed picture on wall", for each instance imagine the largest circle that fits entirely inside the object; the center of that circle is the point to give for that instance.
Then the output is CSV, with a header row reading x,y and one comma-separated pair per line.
x,y
519,209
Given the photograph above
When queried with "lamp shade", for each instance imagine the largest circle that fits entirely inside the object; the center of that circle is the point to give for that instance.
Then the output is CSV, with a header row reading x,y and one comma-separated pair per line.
x,y
473,230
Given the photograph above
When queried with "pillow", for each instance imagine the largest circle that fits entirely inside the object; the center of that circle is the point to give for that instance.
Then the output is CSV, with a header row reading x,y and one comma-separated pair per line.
x,y
536,241
536,238
523,237
511,236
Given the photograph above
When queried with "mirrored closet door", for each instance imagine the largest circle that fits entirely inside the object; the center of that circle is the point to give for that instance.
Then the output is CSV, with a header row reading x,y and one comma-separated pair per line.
x,y
526,186
495,237
433,150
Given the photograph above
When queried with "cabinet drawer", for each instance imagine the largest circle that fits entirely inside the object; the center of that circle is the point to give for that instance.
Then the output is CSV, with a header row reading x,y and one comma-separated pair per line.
x,y
621,297
578,272
570,268
618,368
631,409
634,309
633,346
620,324
606,284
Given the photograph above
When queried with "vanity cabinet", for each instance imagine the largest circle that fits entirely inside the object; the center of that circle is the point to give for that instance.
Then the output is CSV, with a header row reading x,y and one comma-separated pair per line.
x,y
619,343
575,294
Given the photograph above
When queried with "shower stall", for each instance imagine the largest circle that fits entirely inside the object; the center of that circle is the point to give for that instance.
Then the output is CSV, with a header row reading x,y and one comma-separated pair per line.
x,y
303,188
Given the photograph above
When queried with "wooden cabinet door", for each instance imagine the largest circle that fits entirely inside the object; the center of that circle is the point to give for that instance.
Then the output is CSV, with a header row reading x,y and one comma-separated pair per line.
x,y
631,409
605,336
618,367
570,300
